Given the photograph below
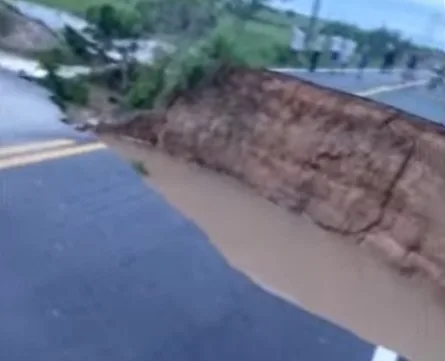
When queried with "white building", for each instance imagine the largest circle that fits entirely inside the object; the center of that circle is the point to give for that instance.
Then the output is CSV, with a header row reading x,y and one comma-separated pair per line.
x,y
298,39
336,44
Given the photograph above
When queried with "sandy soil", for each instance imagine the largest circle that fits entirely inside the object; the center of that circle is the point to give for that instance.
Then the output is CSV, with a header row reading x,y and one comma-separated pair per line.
x,y
292,257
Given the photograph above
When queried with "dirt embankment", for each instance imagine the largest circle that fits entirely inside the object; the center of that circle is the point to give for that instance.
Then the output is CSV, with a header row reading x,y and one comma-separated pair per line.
x,y
23,35
363,170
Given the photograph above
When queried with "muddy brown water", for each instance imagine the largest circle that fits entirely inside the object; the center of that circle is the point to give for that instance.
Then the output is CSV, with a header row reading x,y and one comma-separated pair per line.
x,y
297,260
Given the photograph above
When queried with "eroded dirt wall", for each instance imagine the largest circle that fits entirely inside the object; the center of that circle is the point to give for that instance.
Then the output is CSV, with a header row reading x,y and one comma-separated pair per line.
x,y
355,167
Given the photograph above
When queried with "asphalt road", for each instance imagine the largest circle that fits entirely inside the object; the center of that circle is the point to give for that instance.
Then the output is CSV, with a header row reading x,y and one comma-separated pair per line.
x,y
412,97
96,266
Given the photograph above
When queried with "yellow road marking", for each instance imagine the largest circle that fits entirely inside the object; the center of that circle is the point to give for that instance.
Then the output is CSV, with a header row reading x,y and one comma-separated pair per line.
x,y
20,161
31,147
390,88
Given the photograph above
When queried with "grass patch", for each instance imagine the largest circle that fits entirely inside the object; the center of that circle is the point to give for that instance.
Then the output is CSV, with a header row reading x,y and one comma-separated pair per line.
x,y
258,43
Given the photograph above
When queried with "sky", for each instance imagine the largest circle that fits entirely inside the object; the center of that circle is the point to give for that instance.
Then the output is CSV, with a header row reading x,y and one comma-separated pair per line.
x,y
422,21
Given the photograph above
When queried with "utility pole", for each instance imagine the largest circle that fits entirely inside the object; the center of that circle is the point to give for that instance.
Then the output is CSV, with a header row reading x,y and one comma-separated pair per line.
x,y
313,21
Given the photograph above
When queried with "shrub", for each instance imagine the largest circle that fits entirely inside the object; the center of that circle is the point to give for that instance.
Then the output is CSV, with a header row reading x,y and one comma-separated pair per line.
x,y
182,70
140,168
147,86
76,91
77,43
66,90
114,22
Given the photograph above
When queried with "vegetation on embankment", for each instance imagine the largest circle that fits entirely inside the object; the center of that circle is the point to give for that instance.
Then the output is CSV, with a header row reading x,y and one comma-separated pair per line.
x,y
267,21
204,36
210,37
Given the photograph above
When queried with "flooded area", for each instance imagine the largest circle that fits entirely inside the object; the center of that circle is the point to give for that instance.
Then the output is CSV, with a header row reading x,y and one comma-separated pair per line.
x,y
284,253
292,257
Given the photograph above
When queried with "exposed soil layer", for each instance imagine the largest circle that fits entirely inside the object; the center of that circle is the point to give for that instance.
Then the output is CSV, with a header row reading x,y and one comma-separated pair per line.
x,y
368,172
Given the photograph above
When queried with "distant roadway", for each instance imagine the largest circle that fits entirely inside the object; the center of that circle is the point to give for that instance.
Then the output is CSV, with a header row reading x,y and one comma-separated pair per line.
x,y
412,96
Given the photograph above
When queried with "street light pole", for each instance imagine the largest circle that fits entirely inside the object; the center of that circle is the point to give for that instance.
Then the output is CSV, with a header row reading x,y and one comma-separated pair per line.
x,y
316,5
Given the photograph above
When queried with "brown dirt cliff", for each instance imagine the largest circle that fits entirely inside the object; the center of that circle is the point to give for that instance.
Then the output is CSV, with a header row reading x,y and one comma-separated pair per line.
x,y
355,167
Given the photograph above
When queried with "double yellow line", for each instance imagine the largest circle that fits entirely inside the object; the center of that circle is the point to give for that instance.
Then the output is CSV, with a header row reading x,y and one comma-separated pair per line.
x,y
30,153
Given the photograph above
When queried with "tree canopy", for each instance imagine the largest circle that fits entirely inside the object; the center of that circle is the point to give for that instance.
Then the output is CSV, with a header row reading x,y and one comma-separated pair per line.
x,y
115,23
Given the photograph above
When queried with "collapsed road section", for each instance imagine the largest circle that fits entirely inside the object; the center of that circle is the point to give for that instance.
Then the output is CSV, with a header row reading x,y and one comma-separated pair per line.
x,y
358,168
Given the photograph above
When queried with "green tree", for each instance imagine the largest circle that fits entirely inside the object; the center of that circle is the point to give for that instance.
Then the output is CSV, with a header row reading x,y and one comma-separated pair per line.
x,y
63,90
110,22
50,61
205,45
79,45
127,51
115,32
